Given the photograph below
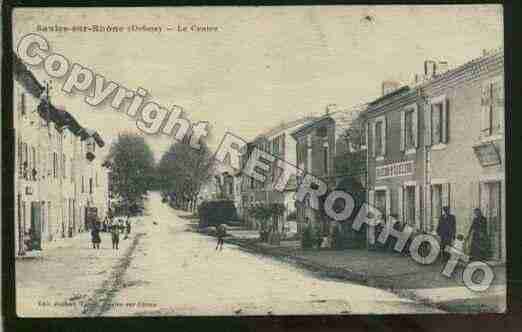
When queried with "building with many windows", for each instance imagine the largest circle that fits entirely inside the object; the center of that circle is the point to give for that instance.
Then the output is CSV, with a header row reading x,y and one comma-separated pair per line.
x,y
441,142
52,165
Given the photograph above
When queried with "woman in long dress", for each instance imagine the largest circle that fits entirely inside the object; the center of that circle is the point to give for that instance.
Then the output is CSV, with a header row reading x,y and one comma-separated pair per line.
x,y
478,233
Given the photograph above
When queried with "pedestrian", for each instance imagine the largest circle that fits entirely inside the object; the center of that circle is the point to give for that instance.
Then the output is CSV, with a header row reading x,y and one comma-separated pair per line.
x,y
478,233
128,227
115,236
221,232
95,236
446,230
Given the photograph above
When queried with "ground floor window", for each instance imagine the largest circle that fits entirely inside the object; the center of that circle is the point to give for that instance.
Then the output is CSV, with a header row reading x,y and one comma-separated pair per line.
x,y
490,205
409,205
440,197
380,201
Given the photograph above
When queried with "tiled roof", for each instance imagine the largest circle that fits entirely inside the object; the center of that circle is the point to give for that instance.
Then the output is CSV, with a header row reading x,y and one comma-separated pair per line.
x,y
284,126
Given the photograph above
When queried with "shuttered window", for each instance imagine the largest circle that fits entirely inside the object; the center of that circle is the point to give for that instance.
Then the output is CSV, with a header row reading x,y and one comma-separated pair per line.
x,y
492,107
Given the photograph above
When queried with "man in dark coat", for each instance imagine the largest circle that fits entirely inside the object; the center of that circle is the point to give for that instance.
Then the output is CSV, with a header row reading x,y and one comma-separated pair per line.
x,y
446,230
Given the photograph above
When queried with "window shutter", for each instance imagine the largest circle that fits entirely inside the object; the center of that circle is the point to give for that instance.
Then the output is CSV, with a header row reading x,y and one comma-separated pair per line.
x,y
400,199
371,129
417,206
428,109
388,203
415,126
445,121
403,130
383,136
427,207
371,197
486,120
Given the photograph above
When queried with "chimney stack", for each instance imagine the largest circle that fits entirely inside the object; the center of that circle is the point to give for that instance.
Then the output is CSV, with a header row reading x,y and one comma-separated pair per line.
x,y
442,66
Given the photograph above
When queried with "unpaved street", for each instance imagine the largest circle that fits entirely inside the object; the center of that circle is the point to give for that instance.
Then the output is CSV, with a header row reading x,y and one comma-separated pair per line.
x,y
167,269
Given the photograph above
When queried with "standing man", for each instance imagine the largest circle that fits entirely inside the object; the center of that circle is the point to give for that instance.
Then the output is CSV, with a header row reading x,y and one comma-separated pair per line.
x,y
446,230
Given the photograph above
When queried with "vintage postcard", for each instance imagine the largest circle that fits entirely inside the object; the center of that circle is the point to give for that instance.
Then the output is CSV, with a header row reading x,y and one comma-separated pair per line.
x,y
246,161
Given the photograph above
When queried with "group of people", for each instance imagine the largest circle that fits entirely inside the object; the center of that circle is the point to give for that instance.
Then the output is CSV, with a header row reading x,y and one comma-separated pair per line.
x,y
477,235
115,226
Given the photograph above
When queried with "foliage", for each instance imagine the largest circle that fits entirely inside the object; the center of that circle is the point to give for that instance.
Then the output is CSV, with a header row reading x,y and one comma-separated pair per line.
x,y
214,213
309,238
182,171
131,163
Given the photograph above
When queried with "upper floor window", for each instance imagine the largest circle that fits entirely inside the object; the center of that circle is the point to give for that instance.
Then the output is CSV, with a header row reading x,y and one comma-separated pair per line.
x,y
437,125
379,137
22,104
409,127
492,107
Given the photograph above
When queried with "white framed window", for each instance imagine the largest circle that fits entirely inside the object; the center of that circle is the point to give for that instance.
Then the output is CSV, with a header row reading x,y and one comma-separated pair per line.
x,y
492,101
409,129
437,122
409,204
379,137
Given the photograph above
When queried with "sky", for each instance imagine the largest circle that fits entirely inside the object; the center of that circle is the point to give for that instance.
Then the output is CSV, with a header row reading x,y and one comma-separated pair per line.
x,y
263,66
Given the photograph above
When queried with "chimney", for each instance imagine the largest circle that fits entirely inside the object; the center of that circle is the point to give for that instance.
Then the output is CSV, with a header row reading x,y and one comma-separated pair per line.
x,y
389,87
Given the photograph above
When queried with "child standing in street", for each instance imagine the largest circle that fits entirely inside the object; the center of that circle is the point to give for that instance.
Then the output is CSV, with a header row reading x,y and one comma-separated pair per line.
x,y
115,232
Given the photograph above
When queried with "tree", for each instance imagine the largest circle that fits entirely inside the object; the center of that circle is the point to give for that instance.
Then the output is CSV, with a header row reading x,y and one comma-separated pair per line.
x,y
182,171
265,212
131,163
350,169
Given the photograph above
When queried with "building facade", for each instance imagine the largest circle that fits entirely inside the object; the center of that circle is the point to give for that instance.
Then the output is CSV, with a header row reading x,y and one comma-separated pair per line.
x,y
49,160
280,143
441,142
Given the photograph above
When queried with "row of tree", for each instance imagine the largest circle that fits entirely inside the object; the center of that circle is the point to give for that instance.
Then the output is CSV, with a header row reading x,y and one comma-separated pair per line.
x,y
179,174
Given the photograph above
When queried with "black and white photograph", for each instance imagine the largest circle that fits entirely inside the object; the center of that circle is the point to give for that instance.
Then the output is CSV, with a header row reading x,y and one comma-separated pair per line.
x,y
259,161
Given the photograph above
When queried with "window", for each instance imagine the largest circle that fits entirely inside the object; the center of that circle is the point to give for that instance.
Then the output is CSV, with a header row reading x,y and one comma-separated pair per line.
x,y
380,201
325,158
409,130
409,205
64,166
90,186
440,197
436,123
83,184
492,107
55,164
490,205
438,127
378,138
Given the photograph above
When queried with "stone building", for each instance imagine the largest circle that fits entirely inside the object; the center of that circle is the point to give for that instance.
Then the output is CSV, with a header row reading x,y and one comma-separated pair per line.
x,y
49,159
279,142
318,144
441,142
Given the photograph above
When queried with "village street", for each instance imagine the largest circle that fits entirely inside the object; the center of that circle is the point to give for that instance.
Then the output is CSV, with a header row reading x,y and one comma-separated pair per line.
x,y
165,268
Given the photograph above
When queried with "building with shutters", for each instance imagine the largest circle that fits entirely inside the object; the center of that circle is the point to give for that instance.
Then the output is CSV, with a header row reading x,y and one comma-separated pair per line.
x,y
279,142
465,140
441,142
396,155
318,144
51,150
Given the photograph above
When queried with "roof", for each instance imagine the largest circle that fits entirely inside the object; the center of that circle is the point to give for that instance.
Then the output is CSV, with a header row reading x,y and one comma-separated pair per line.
x,y
284,126
311,124
47,110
